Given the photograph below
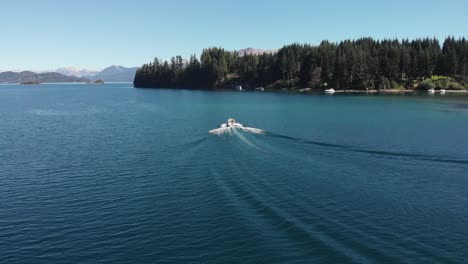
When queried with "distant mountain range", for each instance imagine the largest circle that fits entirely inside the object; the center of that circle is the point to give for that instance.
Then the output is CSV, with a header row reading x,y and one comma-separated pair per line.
x,y
115,74
46,77
74,71
71,74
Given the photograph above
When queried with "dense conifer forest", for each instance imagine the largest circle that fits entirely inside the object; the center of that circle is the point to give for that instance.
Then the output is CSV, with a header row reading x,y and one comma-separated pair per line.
x,y
351,64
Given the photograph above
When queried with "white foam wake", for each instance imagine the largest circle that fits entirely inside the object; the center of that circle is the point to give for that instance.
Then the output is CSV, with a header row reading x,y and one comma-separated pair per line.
x,y
229,130
253,130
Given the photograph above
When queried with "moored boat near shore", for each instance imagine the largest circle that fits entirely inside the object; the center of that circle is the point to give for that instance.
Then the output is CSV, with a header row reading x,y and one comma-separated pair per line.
x,y
330,91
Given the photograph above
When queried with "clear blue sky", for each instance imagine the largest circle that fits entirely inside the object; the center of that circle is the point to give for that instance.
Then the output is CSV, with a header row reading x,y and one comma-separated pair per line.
x,y
93,34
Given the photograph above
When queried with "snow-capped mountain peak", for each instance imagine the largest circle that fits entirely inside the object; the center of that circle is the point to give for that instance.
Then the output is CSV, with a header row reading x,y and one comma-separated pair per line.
x,y
75,71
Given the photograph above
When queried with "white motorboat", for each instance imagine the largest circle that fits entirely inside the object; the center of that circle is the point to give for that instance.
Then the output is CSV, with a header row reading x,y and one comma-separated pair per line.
x,y
330,91
231,122
232,126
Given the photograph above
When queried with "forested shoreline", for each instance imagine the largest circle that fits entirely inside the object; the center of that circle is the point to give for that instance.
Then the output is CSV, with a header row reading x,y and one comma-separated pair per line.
x,y
351,64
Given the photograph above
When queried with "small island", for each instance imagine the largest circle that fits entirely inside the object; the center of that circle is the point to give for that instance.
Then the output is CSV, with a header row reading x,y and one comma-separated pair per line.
x,y
98,82
30,82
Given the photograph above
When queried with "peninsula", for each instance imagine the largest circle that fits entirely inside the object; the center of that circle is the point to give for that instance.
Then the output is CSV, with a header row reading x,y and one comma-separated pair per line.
x,y
360,65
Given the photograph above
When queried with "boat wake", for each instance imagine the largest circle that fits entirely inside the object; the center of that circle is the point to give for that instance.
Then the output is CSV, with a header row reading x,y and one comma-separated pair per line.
x,y
232,127
235,129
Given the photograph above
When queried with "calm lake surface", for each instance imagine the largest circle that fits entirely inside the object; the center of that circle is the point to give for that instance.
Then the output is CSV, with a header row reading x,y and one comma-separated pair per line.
x,y
113,174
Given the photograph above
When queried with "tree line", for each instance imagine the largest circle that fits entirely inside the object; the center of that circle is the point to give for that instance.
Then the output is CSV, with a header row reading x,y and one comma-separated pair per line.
x,y
350,64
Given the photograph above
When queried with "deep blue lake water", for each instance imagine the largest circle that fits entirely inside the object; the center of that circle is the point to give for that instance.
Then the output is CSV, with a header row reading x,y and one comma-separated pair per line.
x,y
113,174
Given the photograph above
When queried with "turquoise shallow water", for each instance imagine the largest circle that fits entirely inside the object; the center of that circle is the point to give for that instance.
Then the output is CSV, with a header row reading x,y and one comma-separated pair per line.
x,y
113,174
